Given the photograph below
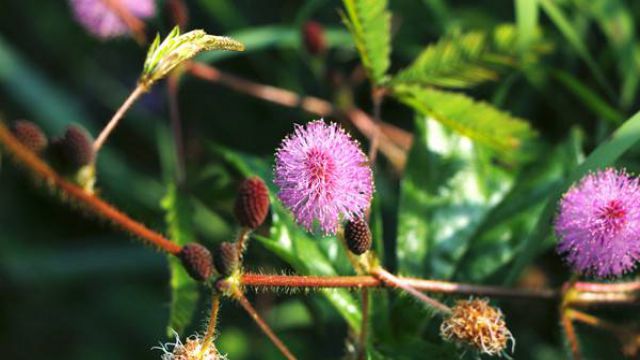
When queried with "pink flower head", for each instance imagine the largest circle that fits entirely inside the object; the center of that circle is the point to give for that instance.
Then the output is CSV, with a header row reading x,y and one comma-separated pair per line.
x,y
102,20
322,174
598,224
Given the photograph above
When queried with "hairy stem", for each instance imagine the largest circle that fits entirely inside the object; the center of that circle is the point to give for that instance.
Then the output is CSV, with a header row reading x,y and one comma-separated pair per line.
x,y
396,282
135,95
570,333
433,286
244,302
631,286
79,196
211,327
241,241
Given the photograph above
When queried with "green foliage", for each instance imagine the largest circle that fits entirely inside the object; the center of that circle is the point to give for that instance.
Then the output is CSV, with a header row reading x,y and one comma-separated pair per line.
x,y
448,188
176,48
464,60
184,290
370,25
475,119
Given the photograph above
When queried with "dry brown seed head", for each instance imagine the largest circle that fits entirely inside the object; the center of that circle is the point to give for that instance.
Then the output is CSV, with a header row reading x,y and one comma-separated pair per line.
x,y
475,323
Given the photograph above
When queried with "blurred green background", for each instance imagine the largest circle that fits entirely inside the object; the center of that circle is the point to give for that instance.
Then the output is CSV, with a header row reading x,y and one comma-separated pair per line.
x,y
72,288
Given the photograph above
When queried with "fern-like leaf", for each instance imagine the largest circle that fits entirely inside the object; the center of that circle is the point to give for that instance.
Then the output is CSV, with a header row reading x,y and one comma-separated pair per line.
x,y
477,120
369,22
467,59
184,290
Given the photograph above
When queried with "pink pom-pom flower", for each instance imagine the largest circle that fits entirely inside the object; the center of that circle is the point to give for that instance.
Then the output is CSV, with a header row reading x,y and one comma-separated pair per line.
x,y
598,224
323,175
102,20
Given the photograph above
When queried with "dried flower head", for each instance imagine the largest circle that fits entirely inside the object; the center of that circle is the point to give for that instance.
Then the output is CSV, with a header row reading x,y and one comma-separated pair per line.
x,y
358,236
162,57
476,324
102,19
313,37
226,258
30,135
252,203
323,174
598,224
194,348
197,260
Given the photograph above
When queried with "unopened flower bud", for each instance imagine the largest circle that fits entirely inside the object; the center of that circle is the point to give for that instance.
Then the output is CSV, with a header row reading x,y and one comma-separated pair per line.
x,y
357,236
226,258
252,203
75,149
474,323
30,135
197,260
313,38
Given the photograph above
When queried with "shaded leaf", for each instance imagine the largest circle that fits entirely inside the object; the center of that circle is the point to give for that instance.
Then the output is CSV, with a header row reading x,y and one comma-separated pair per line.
x,y
467,59
184,290
369,22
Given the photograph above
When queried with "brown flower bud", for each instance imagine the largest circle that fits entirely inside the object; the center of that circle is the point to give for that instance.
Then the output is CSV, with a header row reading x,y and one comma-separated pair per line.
x,y
197,261
74,150
30,135
226,258
252,203
357,236
475,323
313,38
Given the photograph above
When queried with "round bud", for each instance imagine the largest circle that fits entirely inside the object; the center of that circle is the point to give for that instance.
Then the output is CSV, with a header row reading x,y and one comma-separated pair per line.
x,y
474,323
252,203
226,258
357,236
75,149
30,135
197,261
313,37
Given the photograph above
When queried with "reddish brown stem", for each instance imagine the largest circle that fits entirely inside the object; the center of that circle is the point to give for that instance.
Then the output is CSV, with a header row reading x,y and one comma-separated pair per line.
x,y
244,302
572,337
75,193
434,286
608,288
111,125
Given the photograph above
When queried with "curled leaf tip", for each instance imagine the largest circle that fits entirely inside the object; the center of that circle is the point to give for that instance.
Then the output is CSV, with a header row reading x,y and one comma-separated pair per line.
x,y
176,48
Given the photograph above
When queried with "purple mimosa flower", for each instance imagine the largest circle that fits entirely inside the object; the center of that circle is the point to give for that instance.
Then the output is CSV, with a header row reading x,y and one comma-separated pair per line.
x,y
323,174
101,20
598,224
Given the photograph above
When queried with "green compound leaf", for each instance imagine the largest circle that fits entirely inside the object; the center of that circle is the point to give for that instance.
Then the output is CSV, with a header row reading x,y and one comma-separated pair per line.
x,y
477,120
175,49
449,187
369,22
184,290
463,60
292,244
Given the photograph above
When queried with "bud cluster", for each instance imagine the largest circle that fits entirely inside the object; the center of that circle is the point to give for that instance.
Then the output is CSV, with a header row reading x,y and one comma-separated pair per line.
x,y
197,260
252,203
